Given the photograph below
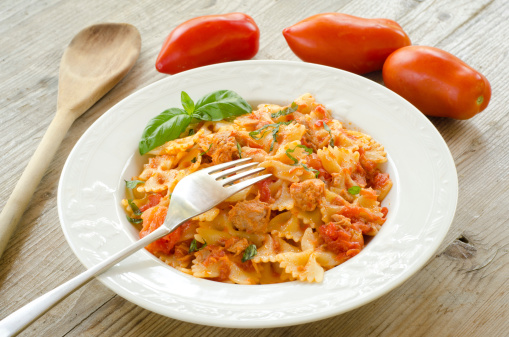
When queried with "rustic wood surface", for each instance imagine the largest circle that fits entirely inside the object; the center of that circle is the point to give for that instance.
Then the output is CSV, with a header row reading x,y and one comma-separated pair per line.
x,y
462,291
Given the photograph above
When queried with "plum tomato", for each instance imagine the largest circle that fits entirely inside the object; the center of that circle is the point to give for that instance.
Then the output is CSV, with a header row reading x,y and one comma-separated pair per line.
x,y
346,42
207,40
436,82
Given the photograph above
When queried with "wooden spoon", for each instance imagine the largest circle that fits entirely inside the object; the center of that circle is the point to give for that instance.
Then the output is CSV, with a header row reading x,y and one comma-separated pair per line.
x,y
93,63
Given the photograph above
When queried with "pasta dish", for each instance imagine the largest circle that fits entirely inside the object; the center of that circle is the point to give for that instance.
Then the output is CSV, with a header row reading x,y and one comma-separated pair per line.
x,y
317,210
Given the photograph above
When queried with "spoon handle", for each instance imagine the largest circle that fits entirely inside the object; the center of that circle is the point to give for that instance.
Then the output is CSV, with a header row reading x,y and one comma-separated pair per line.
x,y
21,318
25,188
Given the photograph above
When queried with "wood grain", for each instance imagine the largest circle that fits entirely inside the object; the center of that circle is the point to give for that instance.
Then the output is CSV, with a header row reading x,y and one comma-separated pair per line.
x,y
462,290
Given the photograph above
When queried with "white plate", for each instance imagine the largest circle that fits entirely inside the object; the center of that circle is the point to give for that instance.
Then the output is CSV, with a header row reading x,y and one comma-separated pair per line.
x,y
421,204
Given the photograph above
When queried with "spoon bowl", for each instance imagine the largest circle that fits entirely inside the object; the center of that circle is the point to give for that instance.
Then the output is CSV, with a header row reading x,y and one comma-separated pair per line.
x,y
96,59
93,63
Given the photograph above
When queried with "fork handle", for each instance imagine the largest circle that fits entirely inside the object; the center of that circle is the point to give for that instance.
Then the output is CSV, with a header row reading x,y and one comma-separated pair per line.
x,y
21,318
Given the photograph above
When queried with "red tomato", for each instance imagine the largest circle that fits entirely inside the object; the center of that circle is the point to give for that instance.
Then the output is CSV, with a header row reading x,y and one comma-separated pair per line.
x,y
347,42
152,219
209,39
436,82
263,188
344,241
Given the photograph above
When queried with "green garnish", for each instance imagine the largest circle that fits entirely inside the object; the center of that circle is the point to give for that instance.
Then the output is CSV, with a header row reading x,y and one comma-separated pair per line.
x,y
169,124
275,130
134,220
191,132
326,127
309,169
354,190
249,253
133,183
201,154
193,247
295,161
193,160
239,150
286,111
134,207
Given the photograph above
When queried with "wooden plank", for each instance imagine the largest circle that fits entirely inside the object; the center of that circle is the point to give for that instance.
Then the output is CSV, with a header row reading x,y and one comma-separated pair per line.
x,y
461,291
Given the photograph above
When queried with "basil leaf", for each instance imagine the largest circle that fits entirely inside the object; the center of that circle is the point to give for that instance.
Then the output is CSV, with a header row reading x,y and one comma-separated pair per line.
x,y
354,190
249,253
133,220
286,111
133,183
167,126
219,105
134,207
187,102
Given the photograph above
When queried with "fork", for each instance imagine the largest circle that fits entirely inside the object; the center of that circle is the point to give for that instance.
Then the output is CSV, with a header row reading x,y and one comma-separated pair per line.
x,y
193,195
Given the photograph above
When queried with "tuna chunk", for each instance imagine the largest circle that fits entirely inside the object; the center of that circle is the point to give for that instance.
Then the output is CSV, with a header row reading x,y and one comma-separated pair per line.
x,y
251,216
307,194
224,148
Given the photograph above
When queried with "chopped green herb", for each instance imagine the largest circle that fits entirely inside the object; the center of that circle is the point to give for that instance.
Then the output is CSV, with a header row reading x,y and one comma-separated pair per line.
x,y
326,127
295,161
133,220
133,206
193,247
240,150
354,190
133,183
249,253
309,169
275,130
193,160
201,154
286,111
191,132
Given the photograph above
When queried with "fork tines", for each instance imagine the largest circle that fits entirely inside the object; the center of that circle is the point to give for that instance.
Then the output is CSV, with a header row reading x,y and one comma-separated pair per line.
x,y
233,173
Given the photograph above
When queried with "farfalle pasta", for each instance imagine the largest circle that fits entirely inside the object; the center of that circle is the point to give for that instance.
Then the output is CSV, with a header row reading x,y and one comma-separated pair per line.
x,y
313,214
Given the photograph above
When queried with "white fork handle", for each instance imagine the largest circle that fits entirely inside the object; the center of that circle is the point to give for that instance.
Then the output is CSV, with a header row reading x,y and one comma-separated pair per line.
x,y
21,318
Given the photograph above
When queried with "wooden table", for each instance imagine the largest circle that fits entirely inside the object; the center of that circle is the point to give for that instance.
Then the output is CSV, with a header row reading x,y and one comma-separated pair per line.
x,y
462,291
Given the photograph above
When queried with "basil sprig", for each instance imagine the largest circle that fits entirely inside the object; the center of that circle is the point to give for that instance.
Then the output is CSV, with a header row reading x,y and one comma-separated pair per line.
x,y
169,124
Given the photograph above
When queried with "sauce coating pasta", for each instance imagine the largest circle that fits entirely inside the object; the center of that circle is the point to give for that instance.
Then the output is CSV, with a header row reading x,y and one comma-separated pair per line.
x,y
313,214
